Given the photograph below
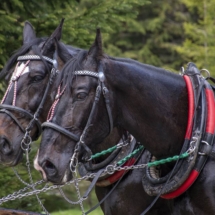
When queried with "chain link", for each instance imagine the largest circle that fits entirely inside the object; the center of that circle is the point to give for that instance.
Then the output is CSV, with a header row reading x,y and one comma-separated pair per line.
x,y
67,199
79,195
20,194
110,169
32,183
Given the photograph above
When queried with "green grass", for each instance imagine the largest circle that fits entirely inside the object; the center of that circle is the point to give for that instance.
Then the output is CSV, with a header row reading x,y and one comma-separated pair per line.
x,y
76,212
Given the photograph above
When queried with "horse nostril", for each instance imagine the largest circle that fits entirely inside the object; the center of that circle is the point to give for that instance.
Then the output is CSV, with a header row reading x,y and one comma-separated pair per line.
x,y
49,168
5,146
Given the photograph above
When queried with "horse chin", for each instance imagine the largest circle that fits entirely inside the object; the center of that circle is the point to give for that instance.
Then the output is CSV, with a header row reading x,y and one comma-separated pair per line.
x,y
11,161
11,152
66,178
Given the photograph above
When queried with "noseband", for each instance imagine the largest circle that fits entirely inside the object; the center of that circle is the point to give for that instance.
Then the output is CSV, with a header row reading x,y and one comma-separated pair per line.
x,y
101,88
5,108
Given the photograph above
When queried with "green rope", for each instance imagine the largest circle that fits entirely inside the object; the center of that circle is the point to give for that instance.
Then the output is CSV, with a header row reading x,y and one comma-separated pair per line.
x,y
150,164
104,152
167,160
129,156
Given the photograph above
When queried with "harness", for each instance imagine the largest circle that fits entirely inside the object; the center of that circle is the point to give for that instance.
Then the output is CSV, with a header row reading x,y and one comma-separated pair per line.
x,y
199,136
21,69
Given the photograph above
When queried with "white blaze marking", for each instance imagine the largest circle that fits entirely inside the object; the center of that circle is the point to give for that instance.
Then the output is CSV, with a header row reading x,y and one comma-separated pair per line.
x,y
65,178
19,71
20,68
38,167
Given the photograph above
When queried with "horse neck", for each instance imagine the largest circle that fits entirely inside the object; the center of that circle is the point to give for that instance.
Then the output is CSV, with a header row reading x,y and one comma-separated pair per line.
x,y
151,104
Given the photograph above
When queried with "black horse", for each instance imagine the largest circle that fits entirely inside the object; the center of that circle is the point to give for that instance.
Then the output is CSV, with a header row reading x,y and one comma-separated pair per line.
x,y
32,92
56,150
149,102
22,107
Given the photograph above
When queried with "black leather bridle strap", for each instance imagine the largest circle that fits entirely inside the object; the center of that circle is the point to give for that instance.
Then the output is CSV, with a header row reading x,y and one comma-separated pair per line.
x,y
98,174
61,130
4,107
13,117
112,189
106,95
96,100
98,204
54,72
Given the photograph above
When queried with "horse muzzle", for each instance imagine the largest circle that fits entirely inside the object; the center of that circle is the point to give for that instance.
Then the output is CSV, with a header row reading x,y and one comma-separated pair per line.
x,y
51,171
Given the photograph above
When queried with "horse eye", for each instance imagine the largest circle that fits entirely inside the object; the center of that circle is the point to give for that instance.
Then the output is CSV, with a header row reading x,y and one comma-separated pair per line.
x,y
81,96
37,78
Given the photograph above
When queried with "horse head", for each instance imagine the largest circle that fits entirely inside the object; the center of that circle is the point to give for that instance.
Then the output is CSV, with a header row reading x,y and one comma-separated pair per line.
x,y
31,69
77,122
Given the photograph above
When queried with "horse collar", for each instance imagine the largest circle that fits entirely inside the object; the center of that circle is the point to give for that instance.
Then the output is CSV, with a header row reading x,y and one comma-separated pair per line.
x,y
200,133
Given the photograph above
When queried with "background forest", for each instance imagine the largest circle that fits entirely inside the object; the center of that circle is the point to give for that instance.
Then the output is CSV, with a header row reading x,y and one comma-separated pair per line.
x,y
166,33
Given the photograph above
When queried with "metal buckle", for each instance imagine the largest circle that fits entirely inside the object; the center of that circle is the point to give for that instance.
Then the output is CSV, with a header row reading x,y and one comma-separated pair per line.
x,y
208,75
202,153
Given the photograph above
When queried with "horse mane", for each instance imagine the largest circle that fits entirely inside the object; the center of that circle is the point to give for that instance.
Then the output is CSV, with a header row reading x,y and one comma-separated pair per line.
x,y
21,51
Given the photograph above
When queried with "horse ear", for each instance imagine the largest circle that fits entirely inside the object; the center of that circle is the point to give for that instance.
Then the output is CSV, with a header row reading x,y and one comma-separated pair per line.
x,y
61,54
49,44
95,51
28,33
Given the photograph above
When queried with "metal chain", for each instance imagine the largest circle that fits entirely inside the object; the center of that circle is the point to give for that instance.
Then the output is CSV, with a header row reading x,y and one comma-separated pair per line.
x,y
19,194
32,183
110,169
20,179
79,195
67,199
26,146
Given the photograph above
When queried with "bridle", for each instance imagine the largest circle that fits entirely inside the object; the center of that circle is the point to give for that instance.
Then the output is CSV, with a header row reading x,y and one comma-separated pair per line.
x,y
101,89
33,118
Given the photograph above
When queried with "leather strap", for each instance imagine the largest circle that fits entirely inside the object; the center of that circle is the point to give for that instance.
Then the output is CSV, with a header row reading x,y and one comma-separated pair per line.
x,y
61,130
4,107
13,117
207,150
93,183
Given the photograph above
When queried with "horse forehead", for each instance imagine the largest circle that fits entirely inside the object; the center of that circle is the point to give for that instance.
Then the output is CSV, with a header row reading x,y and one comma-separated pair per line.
x,y
36,65
83,81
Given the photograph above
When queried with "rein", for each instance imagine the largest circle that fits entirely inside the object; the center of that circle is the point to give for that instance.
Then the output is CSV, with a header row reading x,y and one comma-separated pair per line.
x,y
5,108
